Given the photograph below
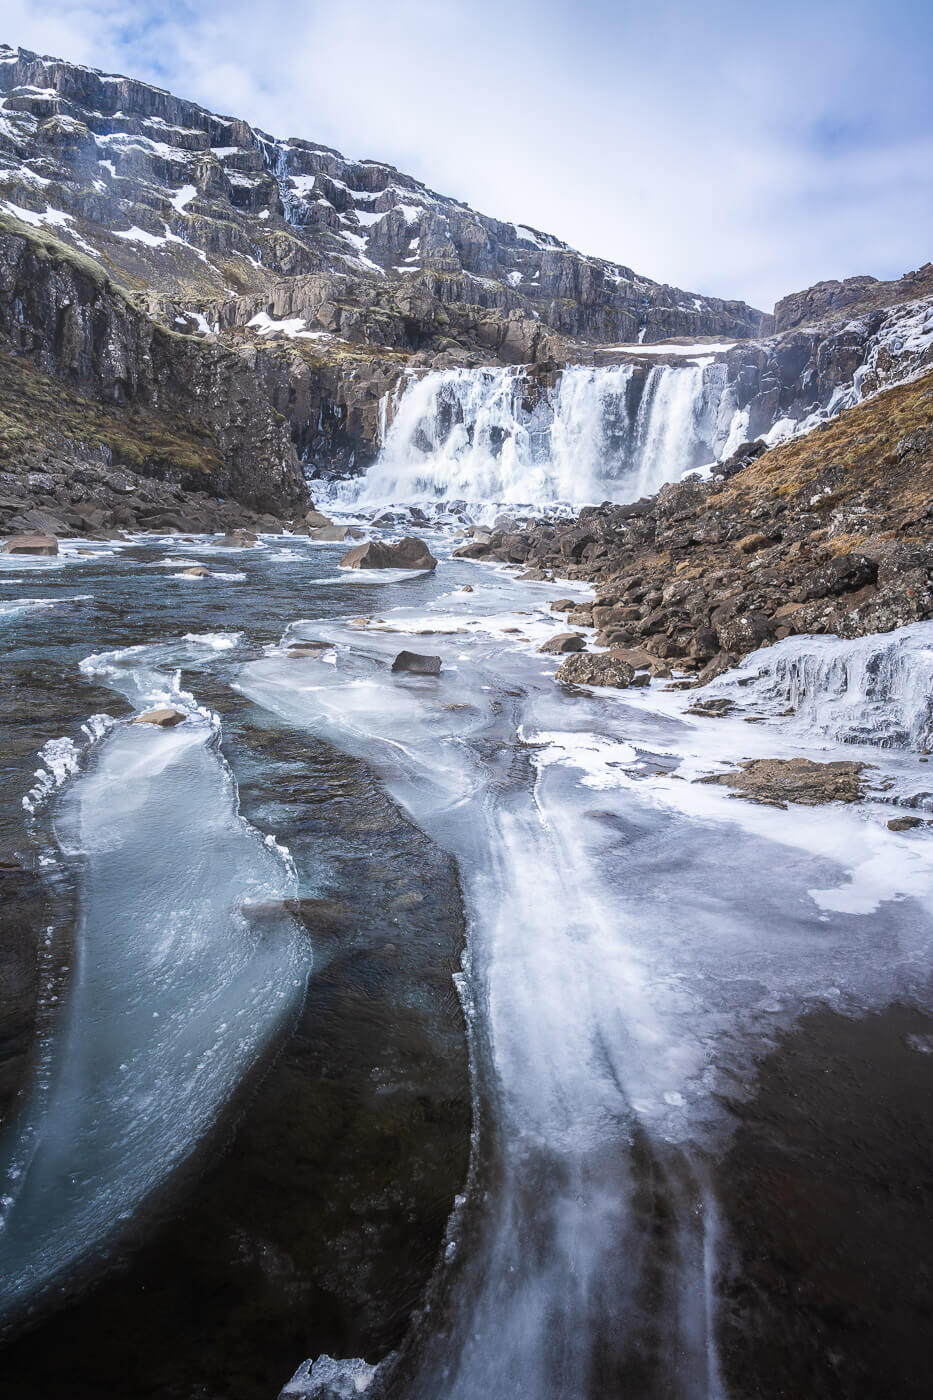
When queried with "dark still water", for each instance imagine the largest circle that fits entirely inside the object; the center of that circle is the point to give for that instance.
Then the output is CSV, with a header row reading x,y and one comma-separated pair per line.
x,y
441,1022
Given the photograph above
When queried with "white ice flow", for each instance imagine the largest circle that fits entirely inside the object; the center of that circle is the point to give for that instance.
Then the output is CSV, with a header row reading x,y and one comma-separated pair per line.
x,y
635,939
173,992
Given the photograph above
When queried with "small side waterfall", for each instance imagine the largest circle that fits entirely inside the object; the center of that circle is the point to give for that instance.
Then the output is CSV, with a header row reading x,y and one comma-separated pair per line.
x,y
490,434
863,690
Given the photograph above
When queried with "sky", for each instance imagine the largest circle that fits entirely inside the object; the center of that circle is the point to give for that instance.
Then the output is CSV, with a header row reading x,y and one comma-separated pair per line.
x,y
735,149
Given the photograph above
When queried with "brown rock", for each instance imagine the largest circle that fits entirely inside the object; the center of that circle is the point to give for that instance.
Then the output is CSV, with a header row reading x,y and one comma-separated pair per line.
x,y
409,553
236,539
30,544
198,571
904,823
165,717
563,642
777,781
334,533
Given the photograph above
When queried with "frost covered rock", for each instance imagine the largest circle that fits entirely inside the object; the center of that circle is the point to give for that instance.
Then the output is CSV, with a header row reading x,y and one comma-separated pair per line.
x,y
596,668
329,1379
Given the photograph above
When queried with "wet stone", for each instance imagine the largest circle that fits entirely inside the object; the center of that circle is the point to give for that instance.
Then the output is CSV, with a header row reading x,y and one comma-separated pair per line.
x,y
165,717
417,663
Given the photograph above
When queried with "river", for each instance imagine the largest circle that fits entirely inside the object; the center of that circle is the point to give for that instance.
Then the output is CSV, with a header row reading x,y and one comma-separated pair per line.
x,y
464,976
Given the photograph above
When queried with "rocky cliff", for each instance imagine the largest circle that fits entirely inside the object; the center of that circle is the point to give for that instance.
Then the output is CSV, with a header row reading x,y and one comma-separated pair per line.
x,y
167,195
89,377
230,309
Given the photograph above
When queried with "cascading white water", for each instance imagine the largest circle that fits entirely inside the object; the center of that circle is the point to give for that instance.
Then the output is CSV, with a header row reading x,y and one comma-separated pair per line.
x,y
488,435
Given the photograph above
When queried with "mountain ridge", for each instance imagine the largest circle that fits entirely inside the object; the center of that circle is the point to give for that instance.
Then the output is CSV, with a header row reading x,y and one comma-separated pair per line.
x,y
114,150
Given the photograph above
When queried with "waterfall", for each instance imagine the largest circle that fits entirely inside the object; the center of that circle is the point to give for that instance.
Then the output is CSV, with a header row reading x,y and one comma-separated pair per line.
x,y
490,434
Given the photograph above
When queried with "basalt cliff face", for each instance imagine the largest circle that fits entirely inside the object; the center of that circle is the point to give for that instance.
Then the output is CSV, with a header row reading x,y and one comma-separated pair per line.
x,y
187,299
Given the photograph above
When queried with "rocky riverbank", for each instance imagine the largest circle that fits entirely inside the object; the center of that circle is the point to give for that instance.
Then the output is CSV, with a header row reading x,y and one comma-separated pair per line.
x,y
831,532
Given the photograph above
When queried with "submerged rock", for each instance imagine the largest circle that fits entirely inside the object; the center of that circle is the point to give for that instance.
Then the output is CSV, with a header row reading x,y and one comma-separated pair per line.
x,y
417,663
409,553
198,571
236,539
563,642
777,781
165,717
596,668
311,648
333,533
30,544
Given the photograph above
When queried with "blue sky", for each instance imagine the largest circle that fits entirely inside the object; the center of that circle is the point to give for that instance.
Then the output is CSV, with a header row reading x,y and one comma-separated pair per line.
x,y
737,149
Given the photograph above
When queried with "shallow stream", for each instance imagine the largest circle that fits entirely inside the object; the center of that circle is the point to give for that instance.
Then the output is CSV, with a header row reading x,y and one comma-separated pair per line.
x,y
395,1017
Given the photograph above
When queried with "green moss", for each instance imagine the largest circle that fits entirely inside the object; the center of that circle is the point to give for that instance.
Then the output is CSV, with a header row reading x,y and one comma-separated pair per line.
x,y
36,411
51,249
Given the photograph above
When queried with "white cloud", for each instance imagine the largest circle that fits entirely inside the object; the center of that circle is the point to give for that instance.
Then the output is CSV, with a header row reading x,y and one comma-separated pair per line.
x,y
727,148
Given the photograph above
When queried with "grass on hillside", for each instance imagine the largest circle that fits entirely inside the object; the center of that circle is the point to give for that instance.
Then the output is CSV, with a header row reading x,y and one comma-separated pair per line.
x,y
852,461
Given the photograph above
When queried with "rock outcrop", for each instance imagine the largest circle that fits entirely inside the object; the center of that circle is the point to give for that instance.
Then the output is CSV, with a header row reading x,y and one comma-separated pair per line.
x,y
777,781
169,405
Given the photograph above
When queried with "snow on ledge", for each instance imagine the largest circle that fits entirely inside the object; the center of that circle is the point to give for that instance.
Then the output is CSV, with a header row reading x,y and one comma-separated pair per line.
x,y
293,327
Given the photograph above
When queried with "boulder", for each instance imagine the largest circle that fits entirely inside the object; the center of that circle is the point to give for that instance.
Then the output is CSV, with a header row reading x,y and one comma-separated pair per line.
x,y
595,668
475,550
742,634
198,571
31,544
330,533
409,553
417,664
317,520
844,574
165,717
563,642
